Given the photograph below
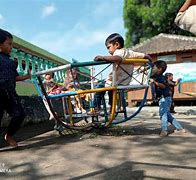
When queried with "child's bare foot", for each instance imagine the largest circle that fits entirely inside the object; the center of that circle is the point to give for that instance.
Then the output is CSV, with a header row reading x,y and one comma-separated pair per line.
x,y
10,141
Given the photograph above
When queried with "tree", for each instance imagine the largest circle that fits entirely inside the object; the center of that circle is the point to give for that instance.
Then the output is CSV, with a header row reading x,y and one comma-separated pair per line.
x,y
144,19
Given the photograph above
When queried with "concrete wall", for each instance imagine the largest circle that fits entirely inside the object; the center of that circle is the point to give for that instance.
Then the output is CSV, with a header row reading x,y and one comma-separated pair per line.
x,y
34,109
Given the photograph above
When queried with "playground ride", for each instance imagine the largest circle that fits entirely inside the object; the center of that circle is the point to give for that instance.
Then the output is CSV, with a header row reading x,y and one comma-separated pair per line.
x,y
93,117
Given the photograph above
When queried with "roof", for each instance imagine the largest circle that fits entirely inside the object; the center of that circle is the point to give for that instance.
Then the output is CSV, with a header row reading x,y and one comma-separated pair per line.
x,y
164,43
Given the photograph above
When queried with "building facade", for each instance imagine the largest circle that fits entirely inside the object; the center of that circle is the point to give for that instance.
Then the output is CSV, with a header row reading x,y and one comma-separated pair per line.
x,y
180,54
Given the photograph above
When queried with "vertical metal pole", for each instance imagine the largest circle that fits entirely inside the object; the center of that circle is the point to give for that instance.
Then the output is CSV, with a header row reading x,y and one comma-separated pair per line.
x,y
114,75
92,79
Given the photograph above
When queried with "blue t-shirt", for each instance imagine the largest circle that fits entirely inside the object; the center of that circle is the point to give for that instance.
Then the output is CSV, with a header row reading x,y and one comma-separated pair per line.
x,y
100,84
161,92
8,73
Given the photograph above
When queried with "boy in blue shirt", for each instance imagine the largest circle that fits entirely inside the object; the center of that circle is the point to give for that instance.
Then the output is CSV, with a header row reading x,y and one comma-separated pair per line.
x,y
162,94
9,100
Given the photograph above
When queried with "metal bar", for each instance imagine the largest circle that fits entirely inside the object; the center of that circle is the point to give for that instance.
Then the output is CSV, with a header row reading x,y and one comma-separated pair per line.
x,y
89,63
55,69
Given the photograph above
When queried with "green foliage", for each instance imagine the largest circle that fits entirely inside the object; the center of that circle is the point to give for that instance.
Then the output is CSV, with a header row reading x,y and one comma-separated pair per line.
x,y
144,19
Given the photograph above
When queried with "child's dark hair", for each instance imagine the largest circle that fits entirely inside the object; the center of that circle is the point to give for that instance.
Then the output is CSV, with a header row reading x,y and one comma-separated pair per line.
x,y
168,75
113,38
161,64
51,74
4,35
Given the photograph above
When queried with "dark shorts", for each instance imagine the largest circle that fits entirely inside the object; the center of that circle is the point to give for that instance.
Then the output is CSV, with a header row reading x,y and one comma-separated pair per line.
x,y
10,103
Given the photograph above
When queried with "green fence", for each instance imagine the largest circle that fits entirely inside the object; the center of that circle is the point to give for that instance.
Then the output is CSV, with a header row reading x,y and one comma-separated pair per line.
x,y
28,56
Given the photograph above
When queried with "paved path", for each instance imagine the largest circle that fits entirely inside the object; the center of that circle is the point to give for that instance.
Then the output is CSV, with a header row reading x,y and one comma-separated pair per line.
x,y
132,150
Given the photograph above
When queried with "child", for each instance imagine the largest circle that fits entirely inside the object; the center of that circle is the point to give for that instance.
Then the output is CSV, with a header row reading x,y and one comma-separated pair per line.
x,y
115,43
9,100
163,96
71,77
185,18
50,86
172,84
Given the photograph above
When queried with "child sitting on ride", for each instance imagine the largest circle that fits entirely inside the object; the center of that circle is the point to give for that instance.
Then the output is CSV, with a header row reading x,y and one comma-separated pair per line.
x,y
71,77
50,85
51,88
71,82
115,43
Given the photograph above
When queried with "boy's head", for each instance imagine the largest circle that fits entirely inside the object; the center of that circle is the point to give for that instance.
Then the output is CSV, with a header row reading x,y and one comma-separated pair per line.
x,y
49,75
113,42
6,42
159,67
169,76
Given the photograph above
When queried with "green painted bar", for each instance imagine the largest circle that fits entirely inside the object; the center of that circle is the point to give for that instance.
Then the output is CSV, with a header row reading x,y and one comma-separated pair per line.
x,y
89,63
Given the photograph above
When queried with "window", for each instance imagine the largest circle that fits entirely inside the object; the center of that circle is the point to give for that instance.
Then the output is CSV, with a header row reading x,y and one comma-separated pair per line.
x,y
167,58
187,58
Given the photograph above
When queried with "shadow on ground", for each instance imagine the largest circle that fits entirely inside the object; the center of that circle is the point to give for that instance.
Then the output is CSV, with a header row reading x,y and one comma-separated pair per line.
x,y
32,132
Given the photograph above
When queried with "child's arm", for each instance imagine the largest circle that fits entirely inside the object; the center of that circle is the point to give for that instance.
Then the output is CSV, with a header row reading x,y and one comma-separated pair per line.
x,y
150,64
23,77
178,81
146,56
171,83
53,88
187,4
158,84
108,58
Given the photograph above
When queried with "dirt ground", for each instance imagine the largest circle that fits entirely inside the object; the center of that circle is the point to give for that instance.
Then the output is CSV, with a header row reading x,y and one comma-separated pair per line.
x,y
132,150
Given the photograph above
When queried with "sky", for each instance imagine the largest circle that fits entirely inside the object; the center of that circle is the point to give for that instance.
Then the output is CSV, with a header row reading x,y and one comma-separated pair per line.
x,y
67,28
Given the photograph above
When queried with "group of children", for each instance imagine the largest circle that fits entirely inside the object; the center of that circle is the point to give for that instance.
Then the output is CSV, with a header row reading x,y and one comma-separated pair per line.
x,y
53,88
164,84
9,100
115,43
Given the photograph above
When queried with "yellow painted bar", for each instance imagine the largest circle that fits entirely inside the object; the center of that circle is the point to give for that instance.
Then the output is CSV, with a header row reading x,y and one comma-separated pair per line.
x,y
130,61
95,90
114,99
112,115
